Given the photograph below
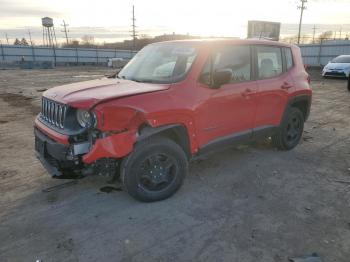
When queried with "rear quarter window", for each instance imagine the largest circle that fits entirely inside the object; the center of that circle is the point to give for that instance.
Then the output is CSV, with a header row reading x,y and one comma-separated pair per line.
x,y
289,58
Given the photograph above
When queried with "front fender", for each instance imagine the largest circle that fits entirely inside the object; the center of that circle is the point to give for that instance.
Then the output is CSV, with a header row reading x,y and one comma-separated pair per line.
x,y
113,146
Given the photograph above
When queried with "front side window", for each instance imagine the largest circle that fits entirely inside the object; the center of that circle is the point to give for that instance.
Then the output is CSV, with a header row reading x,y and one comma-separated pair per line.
x,y
233,58
269,61
160,63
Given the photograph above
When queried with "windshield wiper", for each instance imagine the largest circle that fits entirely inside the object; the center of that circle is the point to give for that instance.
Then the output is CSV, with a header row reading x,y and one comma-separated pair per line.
x,y
144,80
137,80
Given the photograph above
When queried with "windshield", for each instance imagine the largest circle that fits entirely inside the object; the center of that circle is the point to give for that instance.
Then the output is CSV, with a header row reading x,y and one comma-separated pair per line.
x,y
160,63
341,59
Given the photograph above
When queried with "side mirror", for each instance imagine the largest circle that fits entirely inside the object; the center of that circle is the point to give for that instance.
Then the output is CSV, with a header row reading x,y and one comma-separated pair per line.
x,y
222,77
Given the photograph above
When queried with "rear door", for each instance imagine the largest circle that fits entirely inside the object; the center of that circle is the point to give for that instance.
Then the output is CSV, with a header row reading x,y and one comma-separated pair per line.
x,y
274,85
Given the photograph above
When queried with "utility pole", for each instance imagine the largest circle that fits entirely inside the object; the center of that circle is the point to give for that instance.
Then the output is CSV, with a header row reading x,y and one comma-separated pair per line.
x,y
340,33
7,38
302,7
134,34
313,34
30,37
65,31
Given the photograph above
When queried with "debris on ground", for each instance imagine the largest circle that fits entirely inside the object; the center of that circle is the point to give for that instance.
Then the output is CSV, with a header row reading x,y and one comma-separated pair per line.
x,y
308,209
313,258
307,138
341,181
60,186
41,89
109,189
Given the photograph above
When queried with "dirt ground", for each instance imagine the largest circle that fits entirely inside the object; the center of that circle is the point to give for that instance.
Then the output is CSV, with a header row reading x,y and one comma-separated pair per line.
x,y
244,204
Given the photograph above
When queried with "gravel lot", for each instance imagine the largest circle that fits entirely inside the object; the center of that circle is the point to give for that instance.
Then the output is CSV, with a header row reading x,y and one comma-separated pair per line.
x,y
249,203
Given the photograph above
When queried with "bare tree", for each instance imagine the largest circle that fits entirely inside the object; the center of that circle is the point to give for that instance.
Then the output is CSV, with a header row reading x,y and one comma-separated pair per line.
x,y
72,43
24,42
88,40
17,42
323,36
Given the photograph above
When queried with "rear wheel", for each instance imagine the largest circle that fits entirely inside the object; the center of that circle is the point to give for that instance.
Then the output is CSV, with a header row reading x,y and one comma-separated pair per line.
x,y
155,169
290,130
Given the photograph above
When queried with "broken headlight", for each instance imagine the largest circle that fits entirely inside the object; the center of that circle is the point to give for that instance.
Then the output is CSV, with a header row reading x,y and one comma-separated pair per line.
x,y
86,119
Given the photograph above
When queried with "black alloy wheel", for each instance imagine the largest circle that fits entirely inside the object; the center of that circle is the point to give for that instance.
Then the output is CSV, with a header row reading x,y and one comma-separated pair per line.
x,y
290,131
155,169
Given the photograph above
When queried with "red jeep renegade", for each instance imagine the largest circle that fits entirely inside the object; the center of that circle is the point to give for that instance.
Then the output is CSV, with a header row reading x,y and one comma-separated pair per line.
x,y
172,101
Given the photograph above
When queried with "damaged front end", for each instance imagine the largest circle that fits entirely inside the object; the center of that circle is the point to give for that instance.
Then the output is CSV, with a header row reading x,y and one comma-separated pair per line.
x,y
68,147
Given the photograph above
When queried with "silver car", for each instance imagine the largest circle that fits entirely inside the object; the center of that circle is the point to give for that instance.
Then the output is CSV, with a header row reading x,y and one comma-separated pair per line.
x,y
338,67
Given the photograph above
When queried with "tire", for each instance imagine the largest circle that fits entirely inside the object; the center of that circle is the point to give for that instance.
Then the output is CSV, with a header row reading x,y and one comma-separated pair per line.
x,y
290,131
155,170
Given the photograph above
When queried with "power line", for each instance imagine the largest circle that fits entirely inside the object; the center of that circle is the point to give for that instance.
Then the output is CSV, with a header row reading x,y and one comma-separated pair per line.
x,y
302,7
65,30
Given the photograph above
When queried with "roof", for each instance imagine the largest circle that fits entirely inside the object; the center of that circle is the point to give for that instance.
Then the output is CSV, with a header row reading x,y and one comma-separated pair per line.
x,y
211,41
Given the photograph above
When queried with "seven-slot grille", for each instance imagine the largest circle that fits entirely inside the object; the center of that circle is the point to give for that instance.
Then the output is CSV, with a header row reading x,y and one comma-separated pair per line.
x,y
53,112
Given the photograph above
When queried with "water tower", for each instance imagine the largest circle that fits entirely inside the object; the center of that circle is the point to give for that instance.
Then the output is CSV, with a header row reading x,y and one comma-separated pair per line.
x,y
49,35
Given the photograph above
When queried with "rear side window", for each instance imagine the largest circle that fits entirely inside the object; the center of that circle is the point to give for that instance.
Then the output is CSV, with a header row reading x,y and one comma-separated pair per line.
x,y
235,58
269,61
289,58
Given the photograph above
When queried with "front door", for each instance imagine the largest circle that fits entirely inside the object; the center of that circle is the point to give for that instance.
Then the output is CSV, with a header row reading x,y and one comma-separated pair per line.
x,y
229,109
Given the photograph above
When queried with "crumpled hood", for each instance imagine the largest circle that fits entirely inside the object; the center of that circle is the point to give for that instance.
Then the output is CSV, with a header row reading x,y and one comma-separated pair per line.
x,y
337,66
90,93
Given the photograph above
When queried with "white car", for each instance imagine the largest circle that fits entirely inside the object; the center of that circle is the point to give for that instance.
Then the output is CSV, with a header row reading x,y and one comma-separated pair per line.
x,y
338,67
117,62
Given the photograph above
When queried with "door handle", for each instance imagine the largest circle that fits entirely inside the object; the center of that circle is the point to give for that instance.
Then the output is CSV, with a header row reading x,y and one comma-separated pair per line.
x,y
246,93
286,86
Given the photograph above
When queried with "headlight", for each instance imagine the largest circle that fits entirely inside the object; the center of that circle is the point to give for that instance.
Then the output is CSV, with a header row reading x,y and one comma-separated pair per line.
x,y
85,118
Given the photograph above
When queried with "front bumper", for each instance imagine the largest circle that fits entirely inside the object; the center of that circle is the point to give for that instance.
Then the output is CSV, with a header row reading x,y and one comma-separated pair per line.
x,y
55,156
335,73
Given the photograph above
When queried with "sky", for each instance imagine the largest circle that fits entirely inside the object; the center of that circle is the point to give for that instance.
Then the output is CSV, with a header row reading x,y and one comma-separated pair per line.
x,y
108,20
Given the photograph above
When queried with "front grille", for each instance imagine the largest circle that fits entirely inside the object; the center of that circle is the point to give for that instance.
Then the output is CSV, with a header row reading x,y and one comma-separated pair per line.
x,y
53,113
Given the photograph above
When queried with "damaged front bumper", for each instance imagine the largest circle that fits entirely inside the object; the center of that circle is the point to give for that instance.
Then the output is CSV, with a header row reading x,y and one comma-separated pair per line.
x,y
63,156
56,157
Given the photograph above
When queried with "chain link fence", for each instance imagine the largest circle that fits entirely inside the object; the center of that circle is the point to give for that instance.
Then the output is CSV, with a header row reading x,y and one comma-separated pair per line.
x,y
14,54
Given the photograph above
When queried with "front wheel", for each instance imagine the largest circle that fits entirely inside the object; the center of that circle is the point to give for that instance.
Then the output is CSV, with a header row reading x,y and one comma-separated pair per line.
x,y
290,131
155,169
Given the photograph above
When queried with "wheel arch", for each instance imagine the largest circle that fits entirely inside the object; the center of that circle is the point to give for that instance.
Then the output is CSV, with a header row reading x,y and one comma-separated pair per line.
x,y
176,132
303,103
